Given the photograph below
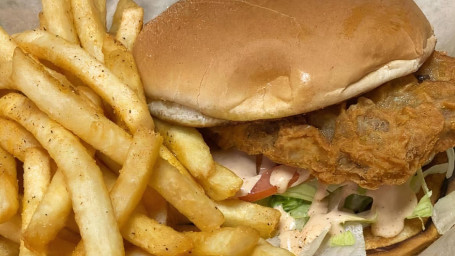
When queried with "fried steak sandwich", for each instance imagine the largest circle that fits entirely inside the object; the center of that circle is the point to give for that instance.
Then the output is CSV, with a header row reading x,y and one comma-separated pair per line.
x,y
335,90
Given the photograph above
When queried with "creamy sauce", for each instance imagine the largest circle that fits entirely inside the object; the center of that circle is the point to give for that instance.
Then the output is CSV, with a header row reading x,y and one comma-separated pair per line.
x,y
392,205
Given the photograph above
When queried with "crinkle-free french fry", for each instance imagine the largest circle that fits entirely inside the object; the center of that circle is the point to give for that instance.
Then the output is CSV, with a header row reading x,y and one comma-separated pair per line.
x,y
186,196
89,26
263,248
58,19
240,213
91,204
221,184
121,62
50,216
227,241
15,139
37,172
189,147
11,229
130,26
9,195
122,5
94,74
7,47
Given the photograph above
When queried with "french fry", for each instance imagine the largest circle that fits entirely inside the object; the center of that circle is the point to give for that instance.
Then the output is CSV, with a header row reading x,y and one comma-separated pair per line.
x,y
221,184
189,147
100,6
121,62
91,98
167,155
155,238
130,26
186,196
50,216
57,100
241,213
136,251
156,206
226,241
37,172
9,195
11,229
71,57
263,248
89,26
15,139
8,248
91,204
122,5
6,55
58,19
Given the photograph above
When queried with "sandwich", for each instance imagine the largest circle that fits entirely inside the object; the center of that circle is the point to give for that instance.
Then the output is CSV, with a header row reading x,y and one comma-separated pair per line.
x,y
337,113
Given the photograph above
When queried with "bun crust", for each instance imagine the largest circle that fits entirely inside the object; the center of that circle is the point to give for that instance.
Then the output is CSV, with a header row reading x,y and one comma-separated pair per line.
x,y
257,59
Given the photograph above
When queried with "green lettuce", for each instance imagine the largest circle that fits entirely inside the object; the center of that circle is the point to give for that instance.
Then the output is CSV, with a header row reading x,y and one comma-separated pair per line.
x,y
344,239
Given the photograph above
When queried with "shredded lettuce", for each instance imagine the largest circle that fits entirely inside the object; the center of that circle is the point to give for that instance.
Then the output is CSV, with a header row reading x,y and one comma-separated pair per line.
x,y
344,239
357,248
304,191
423,209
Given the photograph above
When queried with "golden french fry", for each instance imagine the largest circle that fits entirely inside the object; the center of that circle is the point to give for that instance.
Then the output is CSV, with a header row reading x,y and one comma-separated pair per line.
x,y
185,196
125,102
221,184
122,5
7,47
130,26
57,100
226,241
241,213
91,204
11,229
100,6
91,98
8,248
58,19
37,172
121,62
189,147
155,238
156,206
50,216
265,249
167,155
15,139
89,26
136,251
60,247
135,174
9,195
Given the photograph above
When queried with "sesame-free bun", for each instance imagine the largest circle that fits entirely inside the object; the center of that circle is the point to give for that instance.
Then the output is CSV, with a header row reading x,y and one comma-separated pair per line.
x,y
258,59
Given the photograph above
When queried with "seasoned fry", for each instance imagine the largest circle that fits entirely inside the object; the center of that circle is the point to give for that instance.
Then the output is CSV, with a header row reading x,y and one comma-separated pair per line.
x,y
135,174
8,248
167,155
226,241
42,21
50,216
130,26
221,184
15,139
155,238
122,5
121,62
57,101
37,172
125,102
155,205
185,196
94,213
6,55
91,98
89,26
9,197
58,19
241,213
189,147
100,6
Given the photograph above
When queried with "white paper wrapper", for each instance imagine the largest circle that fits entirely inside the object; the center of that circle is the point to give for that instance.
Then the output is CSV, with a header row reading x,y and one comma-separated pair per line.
x,y
19,15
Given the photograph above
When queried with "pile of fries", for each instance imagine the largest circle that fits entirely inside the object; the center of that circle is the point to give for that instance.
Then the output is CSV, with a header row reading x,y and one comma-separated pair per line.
x,y
85,170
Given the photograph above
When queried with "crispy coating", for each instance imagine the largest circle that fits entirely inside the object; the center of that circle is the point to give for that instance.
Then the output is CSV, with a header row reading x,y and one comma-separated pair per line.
x,y
380,138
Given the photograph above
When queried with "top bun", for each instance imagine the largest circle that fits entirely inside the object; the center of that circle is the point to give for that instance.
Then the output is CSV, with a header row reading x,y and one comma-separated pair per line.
x,y
257,59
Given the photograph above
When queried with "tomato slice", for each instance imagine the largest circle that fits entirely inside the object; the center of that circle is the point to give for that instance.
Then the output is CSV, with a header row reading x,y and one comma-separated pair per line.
x,y
294,178
262,189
